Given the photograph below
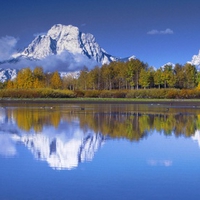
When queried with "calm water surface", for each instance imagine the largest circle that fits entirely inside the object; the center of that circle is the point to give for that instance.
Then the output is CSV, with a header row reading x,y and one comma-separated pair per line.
x,y
99,151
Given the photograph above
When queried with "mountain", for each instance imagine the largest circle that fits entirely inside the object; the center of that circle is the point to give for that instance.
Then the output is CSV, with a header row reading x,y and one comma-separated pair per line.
x,y
61,38
6,74
63,48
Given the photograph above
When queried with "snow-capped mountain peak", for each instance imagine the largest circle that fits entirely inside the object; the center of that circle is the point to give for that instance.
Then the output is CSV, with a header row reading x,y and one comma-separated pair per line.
x,y
59,31
39,48
61,38
64,48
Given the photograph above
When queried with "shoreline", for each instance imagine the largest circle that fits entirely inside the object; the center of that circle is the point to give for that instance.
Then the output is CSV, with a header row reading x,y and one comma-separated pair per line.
x,y
181,102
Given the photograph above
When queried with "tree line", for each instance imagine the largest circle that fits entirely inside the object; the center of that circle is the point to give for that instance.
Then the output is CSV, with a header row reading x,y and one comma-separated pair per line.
x,y
133,74
32,79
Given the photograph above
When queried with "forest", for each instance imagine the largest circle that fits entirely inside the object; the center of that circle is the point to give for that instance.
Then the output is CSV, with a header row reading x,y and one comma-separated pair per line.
x,y
131,79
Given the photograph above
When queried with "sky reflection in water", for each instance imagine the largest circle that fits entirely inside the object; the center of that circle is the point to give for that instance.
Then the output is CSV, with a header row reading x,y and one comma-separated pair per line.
x,y
153,158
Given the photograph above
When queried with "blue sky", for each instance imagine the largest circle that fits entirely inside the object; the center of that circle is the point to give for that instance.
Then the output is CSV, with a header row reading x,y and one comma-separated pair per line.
x,y
156,31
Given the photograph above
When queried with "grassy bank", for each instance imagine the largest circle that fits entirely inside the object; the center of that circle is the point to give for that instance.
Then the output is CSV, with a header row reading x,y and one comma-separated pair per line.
x,y
36,93
104,95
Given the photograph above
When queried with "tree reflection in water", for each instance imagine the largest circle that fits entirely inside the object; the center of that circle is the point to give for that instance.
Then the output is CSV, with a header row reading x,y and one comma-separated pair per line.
x,y
65,135
114,121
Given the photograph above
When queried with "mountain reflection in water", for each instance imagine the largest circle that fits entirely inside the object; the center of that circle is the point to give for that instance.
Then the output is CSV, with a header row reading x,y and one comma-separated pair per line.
x,y
67,135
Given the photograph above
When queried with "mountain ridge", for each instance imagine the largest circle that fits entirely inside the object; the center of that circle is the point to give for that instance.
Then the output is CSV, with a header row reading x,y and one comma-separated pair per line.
x,y
63,48
62,38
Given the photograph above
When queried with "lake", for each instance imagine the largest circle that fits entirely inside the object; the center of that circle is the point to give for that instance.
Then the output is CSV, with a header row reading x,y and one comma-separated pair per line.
x,y
99,151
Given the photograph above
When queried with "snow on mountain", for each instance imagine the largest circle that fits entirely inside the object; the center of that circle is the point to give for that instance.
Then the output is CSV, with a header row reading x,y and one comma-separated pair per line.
x,y
63,48
127,58
73,75
6,74
61,38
